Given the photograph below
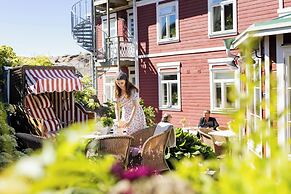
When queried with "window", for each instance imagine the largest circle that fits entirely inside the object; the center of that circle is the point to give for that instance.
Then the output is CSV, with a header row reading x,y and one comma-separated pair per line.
x,y
222,86
169,86
255,109
113,28
288,131
222,17
131,75
108,88
130,23
167,22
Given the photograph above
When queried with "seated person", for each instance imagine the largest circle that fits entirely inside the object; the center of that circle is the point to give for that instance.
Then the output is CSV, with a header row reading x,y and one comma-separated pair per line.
x,y
208,122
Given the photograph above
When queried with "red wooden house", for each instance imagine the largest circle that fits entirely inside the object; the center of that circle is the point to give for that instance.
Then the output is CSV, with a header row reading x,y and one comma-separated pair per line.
x,y
174,51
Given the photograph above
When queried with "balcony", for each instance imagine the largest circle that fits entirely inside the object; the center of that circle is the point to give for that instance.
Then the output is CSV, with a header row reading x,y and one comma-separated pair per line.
x,y
113,4
117,51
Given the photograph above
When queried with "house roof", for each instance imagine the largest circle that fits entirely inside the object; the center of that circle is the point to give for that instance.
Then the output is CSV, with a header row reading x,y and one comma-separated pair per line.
x,y
279,25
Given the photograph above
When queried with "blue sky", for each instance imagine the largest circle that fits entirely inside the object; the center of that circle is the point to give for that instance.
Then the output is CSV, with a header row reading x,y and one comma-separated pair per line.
x,y
37,27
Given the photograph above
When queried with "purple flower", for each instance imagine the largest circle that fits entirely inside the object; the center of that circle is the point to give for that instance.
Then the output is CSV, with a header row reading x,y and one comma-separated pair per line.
x,y
138,172
117,170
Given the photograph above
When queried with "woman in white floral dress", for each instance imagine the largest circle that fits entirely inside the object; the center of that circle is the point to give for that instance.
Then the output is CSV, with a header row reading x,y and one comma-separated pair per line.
x,y
127,101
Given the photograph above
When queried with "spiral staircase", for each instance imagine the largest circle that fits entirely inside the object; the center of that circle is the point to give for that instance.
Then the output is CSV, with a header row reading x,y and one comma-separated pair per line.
x,y
82,20
118,51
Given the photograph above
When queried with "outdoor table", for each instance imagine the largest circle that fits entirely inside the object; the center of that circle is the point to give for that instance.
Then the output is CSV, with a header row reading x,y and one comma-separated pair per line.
x,y
192,130
223,133
226,134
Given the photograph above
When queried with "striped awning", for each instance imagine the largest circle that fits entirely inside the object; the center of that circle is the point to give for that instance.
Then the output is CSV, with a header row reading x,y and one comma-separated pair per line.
x,y
51,80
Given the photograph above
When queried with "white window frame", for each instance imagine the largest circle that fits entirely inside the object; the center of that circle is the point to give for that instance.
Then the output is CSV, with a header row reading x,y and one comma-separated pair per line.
x,y
103,19
223,32
220,65
283,10
112,74
129,17
252,116
131,76
169,69
168,40
287,56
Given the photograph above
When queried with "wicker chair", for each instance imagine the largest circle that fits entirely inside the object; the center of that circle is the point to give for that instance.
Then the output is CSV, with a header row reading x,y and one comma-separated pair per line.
x,y
141,136
153,148
116,145
214,142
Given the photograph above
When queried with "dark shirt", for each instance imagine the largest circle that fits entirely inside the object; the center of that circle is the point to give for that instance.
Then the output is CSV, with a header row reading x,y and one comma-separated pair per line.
x,y
210,123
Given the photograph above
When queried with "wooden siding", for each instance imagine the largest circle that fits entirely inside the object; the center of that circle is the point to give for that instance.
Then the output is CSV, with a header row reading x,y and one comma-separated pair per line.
x,y
193,24
250,12
286,3
195,86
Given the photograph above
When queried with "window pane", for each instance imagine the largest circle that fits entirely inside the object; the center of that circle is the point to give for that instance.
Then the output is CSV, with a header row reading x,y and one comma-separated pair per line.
x,y
174,94
224,75
257,101
172,26
165,95
218,95
170,77
289,104
216,19
228,17
167,10
108,93
163,27
109,80
230,98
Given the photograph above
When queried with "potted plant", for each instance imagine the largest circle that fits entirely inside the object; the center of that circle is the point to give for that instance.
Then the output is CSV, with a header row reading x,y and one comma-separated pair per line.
x,y
107,123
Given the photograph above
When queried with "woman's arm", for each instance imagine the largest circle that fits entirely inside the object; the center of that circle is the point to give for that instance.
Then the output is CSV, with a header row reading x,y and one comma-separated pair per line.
x,y
117,111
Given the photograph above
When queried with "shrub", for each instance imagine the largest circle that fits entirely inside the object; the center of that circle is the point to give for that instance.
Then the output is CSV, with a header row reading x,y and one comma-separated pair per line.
x,y
8,144
149,113
88,97
106,121
188,146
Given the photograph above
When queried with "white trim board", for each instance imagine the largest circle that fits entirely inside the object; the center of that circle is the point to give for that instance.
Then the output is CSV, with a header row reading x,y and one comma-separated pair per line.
x,y
183,52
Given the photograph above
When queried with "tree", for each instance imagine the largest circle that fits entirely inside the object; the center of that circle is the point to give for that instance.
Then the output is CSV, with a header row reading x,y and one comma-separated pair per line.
x,y
38,60
8,56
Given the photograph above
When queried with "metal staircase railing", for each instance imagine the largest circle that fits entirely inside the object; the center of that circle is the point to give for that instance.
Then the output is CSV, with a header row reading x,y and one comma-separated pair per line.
x,y
82,24
89,36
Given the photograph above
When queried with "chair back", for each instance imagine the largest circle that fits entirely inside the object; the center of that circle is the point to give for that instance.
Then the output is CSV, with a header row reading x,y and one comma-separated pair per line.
x,y
153,150
40,108
117,145
141,136
206,139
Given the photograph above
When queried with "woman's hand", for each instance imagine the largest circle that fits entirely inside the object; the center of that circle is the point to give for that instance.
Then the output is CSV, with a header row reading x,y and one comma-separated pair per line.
x,y
123,124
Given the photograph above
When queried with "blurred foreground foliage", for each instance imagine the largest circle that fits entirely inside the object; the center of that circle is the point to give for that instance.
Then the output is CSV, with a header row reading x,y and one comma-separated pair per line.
x,y
60,167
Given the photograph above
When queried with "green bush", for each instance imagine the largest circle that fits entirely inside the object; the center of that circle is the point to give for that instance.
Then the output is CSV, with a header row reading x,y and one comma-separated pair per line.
x,y
88,97
34,61
188,146
8,144
106,121
149,113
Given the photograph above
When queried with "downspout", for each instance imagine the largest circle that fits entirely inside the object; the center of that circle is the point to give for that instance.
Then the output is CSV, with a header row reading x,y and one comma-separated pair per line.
x,y
108,30
136,65
93,54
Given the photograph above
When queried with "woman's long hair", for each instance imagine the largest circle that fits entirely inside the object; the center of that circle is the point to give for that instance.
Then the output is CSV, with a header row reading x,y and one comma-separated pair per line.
x,y
128,88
